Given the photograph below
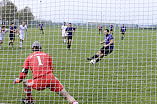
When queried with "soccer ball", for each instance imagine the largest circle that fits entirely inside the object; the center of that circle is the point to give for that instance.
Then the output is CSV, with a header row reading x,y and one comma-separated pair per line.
x,y
92,61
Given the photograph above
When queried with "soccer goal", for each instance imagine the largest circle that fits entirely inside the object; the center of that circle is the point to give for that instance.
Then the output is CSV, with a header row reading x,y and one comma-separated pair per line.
x,y
95,25
93,68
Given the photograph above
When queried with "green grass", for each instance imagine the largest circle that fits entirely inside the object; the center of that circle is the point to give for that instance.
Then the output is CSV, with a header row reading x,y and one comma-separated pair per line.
x,y
127,75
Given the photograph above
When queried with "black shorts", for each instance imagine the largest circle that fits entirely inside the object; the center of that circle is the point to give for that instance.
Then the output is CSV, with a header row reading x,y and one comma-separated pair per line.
x,y
70,37
100,29
12,37
111,29
41,29
105,51
123,33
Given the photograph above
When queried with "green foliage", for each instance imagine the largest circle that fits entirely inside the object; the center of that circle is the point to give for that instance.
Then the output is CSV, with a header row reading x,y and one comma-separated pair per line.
x,y
26,15
9,13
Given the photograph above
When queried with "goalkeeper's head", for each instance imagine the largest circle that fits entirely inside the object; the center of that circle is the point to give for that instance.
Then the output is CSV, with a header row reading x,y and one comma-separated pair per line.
x,y
36,46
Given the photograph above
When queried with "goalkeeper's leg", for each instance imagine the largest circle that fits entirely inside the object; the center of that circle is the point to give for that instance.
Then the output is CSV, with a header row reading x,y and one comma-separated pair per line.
x,y
66,96
57,87
28,92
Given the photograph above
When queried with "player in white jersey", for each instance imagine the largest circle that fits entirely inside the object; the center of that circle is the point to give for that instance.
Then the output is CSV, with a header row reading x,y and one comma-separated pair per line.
x,y
3,31
63,33
22,29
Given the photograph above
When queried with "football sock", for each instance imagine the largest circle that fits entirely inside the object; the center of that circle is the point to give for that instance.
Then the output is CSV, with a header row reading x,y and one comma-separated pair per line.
x,y
12,44
98,59
20,44
29,95
64,40
122,37
69,45
95,56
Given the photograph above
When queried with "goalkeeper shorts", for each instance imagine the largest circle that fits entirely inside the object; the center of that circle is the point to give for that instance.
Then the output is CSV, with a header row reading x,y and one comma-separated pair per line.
x,y
46,81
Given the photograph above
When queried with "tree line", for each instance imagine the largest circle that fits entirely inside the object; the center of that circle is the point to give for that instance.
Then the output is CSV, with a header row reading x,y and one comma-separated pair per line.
x,y
9,13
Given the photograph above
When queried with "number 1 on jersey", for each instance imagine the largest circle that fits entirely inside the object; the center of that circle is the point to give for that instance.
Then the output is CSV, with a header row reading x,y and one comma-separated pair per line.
x,y
39,60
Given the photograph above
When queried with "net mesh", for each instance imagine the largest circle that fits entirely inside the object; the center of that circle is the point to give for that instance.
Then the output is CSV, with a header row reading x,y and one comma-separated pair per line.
x,y
127,75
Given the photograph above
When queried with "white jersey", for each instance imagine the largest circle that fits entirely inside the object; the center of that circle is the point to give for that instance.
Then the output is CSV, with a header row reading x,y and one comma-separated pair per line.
x,y
2,34
22,29
63,28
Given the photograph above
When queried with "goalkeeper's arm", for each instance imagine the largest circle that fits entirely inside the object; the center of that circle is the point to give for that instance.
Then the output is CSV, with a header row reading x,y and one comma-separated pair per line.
x,y
21,76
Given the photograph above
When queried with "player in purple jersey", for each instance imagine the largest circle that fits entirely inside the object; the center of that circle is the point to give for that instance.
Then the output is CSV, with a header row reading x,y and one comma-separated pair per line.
x,y
106,49
70,33
41,28
111,29
13,30
123,31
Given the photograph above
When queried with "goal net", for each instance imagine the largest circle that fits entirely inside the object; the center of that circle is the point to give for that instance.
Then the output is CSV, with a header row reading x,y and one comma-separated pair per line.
x,y
127,75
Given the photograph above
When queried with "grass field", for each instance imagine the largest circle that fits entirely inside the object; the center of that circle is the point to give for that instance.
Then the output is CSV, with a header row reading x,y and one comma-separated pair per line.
x,y
127,75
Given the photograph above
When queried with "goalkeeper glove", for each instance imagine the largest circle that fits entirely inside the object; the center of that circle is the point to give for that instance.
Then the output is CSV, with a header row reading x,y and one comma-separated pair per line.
x,y
17,81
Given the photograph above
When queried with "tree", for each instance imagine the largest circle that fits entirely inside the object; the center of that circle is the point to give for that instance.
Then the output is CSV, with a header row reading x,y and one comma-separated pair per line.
x,y
8,12
26,15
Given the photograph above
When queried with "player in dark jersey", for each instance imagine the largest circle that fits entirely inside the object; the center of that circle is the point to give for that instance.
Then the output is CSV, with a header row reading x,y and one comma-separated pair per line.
x,y
41,66
70,33
13,30
41,28
106,49
111,29
123,31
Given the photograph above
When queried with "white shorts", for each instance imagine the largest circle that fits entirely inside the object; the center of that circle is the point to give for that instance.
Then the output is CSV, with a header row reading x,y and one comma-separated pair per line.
x,y
2,38
22,36
64,34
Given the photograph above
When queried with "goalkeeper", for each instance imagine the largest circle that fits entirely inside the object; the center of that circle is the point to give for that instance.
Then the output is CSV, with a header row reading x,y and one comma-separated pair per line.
x,y
42,68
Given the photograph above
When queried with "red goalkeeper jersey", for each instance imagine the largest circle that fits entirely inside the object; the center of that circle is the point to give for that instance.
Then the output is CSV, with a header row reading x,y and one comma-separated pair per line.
x,y
40,63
